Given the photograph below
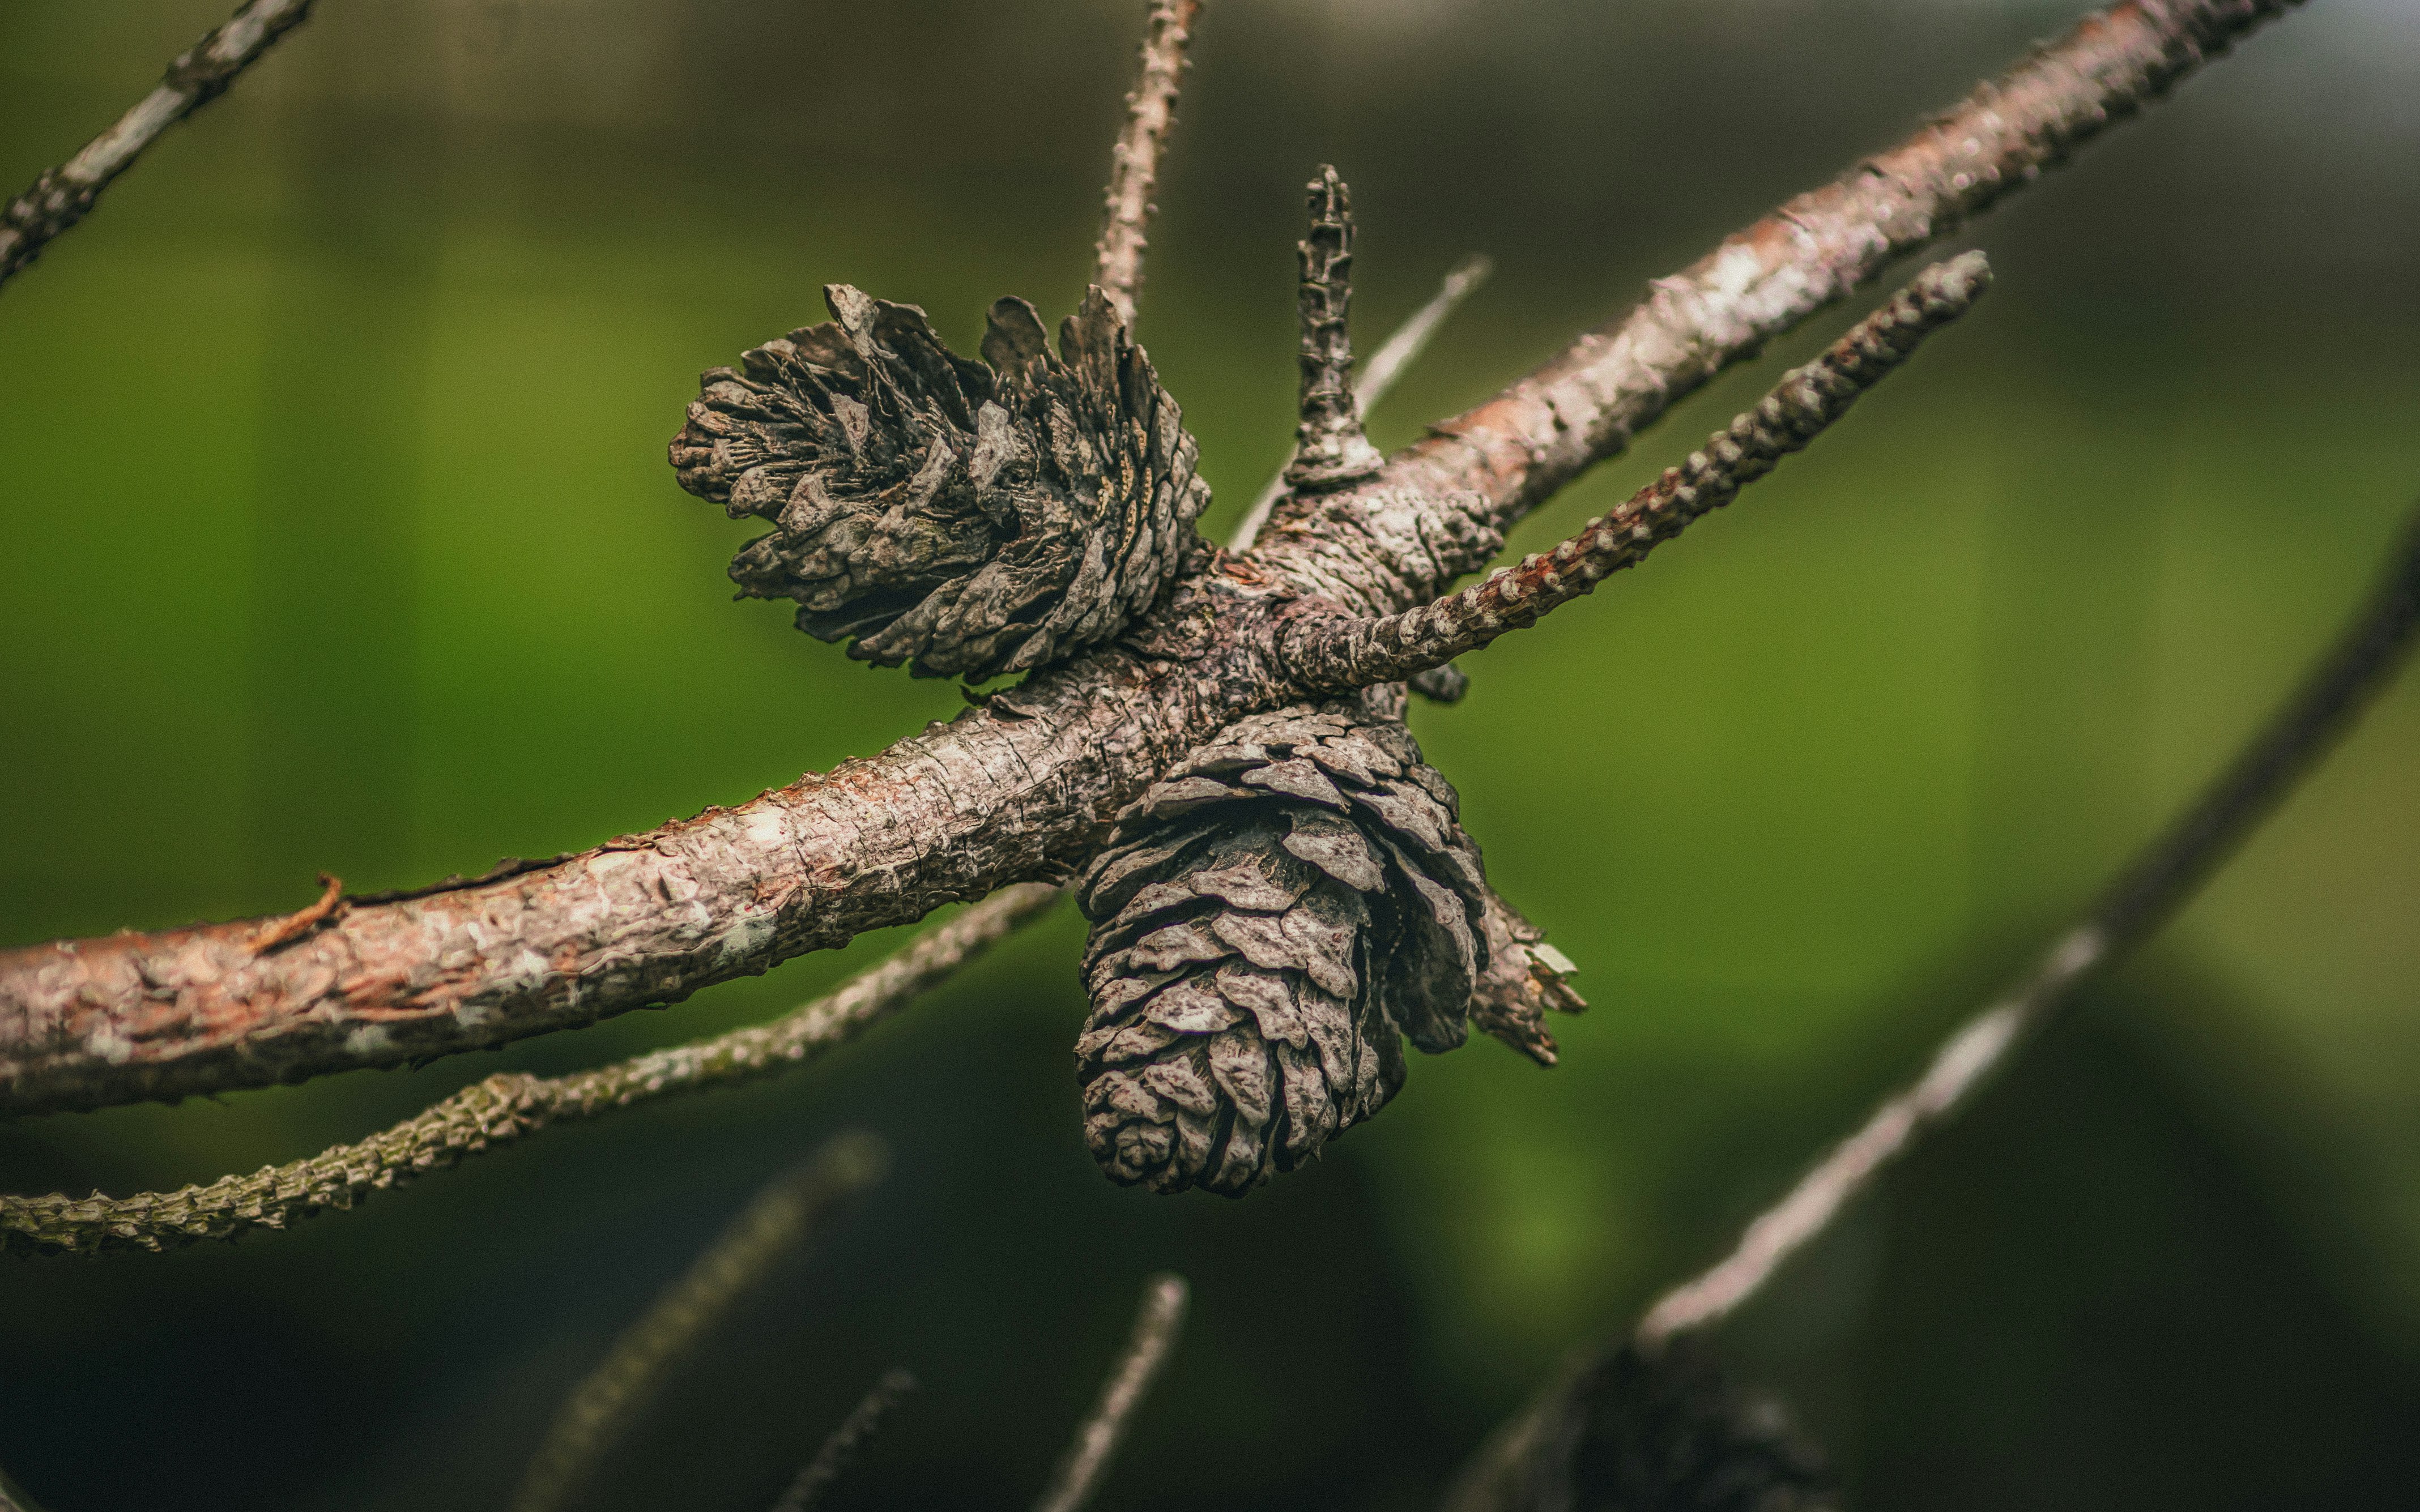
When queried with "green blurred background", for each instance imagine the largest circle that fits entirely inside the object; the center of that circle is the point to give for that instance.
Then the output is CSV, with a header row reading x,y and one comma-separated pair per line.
x,y
339,534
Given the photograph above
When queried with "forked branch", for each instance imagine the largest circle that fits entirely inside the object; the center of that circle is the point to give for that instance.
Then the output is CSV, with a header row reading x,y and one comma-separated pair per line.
x,y
1134,162
64,194
1015,791
1336,654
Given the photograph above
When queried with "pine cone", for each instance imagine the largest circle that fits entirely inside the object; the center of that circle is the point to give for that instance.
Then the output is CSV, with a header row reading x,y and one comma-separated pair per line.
x,y
1265,920
966,519
1668,1433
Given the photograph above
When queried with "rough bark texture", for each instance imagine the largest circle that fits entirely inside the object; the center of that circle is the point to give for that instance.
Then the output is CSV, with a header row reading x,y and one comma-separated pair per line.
x,y
1267,921
1329,446
964,518
1339,652
64,194
510,1105
1018,790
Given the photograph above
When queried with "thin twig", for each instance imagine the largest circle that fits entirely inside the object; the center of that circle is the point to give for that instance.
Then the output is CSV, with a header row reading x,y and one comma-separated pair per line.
x,y
2160,879
1337,653
1158,1324
780,1219
1329,449
1378,374
64,194
508,1105
1134,162
841,1449
13,1497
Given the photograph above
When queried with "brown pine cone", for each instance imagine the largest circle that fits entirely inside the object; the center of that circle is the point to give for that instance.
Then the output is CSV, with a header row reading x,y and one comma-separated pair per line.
x,y
965,518
1266,919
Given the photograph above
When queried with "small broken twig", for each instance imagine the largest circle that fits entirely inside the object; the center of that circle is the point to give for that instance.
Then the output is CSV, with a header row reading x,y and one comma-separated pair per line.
x,y
64,194
1134,162
1378,374
289,928
510,1104
2163,876
841,1449
1334,652
1329,449
775,1223
1158,1324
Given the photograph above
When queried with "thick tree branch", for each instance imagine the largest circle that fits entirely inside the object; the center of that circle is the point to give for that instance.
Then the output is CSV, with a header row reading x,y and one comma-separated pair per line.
x,y
1336,654
1134,162
840,1450
2159,881
64,194
1158,1324
1373,549
776,1222
509,1105
1378,374
1016,790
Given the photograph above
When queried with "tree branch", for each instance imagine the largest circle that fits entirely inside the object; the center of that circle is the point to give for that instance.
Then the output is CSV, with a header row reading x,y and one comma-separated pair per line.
x,y
840,1450
776,1223
1378,374
1328,447
1375,549
1134,162
1158,1324
64,194
1336,653
510,1105
2160,879
1016,790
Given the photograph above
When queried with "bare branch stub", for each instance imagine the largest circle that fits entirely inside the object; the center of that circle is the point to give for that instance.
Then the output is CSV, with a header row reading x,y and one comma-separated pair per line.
x,y
64,194
1157,1325
1328,447
1134,162
1338,653
1017,789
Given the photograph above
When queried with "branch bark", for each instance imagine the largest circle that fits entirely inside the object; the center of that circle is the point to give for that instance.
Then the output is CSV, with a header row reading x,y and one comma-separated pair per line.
x,y
1341,653
64,194
1016,790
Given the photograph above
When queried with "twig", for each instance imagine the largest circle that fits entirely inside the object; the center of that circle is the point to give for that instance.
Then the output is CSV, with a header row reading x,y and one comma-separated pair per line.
x,y
1156,1330
13,1497
1378,374
507,1106
1328,447
64,194
2164,876
1335,653
775,1223
1134,162
292,927
841,1449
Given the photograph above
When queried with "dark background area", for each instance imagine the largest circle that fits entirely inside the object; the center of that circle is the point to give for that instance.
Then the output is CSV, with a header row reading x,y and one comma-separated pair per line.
x,y
339,534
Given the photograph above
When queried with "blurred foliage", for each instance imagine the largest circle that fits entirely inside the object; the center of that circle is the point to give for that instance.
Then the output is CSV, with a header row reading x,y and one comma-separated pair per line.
x,y
340,535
